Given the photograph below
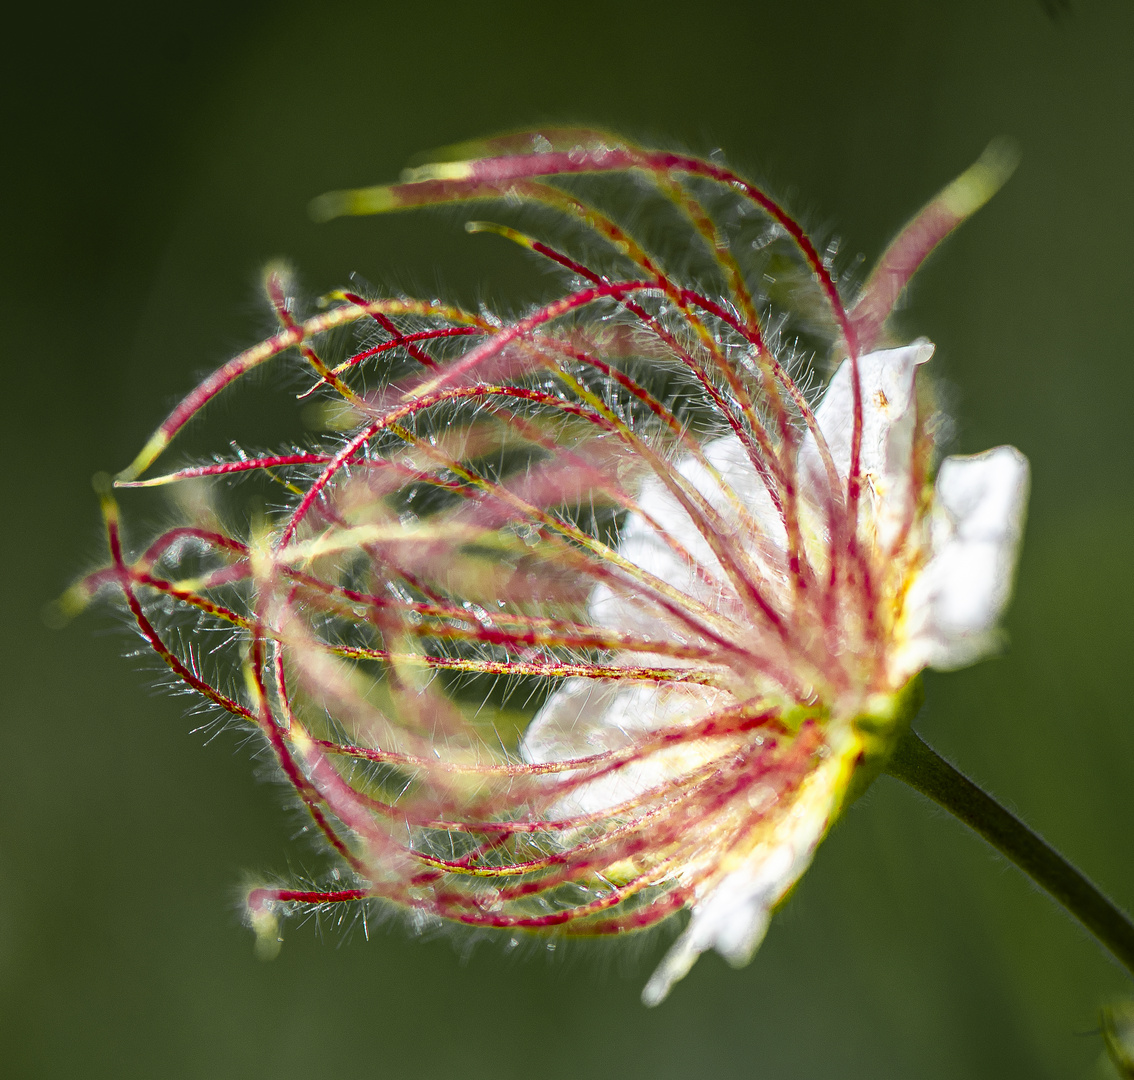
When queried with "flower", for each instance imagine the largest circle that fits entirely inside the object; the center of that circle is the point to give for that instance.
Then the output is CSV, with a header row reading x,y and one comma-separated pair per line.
x,y
623,511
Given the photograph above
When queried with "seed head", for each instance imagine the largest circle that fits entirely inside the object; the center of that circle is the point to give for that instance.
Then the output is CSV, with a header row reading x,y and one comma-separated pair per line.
x,y
601,612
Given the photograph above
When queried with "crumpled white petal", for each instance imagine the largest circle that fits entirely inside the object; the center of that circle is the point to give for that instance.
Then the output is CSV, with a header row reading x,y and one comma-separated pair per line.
x,y
586,717
641,544
732,916
889,416
733,919
975,529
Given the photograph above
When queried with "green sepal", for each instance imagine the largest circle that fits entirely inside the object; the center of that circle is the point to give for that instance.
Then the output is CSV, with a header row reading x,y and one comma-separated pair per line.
x,y
880,730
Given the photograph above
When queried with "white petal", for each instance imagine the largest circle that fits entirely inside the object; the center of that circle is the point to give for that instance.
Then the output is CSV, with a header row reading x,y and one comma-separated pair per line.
x,y
887,381
733,915
889,415
573,722
977,520
733,920
641,544
587,716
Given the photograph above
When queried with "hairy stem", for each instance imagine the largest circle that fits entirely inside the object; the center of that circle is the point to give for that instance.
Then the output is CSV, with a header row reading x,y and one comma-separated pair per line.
x,y
919,765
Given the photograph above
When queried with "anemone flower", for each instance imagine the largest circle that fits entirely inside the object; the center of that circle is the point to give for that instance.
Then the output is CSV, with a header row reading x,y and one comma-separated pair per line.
x,y
584,617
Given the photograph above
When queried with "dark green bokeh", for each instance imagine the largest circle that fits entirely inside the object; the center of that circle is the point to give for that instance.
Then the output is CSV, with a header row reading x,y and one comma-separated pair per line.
x,y
155,160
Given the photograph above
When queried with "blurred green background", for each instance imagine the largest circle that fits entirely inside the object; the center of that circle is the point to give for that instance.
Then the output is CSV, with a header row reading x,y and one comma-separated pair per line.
x,y
157,156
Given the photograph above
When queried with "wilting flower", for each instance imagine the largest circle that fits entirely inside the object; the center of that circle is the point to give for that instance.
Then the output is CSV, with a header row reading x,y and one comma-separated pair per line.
x,y
626,512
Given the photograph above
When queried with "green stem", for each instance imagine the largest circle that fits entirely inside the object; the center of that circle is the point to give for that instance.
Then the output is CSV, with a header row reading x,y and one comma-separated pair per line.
x,y
919,765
